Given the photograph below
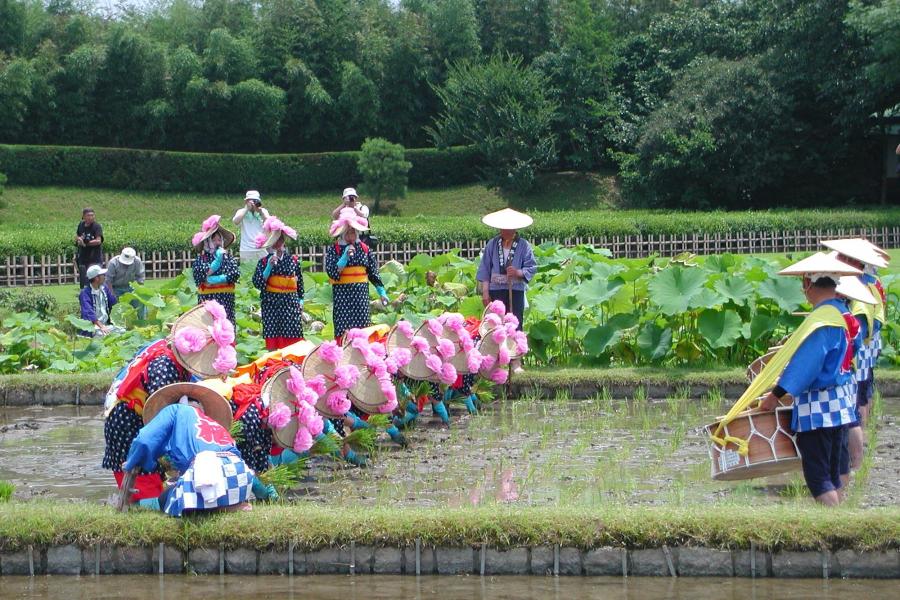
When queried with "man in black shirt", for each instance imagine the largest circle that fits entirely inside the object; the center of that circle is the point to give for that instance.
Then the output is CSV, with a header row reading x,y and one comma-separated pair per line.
x,y
89,239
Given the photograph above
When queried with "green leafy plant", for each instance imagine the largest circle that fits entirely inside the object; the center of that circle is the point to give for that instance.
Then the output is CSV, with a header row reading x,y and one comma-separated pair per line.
x,y
6,490
384,170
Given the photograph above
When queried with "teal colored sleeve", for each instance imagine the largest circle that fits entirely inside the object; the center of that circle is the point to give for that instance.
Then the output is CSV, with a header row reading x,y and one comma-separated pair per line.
x,y
214,279
343,260
268,269
216,264
381,291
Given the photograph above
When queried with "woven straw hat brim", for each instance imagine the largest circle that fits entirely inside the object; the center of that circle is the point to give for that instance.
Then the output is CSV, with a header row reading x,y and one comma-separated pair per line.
x,y
214,405
366,395
199,363
851,287
314,365
416,368
488,347
274,391
273,237
507,219
227,237
859,249
820,263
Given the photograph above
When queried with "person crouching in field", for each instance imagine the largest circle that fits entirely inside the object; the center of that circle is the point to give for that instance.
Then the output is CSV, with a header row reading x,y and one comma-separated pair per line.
x,y
280,284
97,300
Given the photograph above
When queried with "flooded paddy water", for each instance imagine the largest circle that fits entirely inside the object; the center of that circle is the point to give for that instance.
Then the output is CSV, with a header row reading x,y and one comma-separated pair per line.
x,y
525,451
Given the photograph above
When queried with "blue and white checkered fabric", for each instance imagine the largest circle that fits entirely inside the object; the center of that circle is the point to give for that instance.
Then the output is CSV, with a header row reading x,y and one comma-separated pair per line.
x,y
238,480
877,345
831,407
866,358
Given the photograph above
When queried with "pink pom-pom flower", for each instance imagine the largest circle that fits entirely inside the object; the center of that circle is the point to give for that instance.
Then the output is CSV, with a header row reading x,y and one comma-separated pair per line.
x,y
454,322
492,321
279,416
295,383
226,359
503,356
446,348
402,355
222,332
497,307
466,343
190,339
419,344
435,327
338,402
521,342
388,407
345,376
305,414
260,240
215,310
303,440
356,334
487,363
308,395
378,348
433,362
499,335
448,374
331,352
473,361
406,328
511,319
390,364
318,385
499,376
316,426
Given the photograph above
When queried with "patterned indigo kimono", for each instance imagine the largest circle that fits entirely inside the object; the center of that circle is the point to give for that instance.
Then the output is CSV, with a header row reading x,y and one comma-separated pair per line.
x,y
280,296
350,286
223,293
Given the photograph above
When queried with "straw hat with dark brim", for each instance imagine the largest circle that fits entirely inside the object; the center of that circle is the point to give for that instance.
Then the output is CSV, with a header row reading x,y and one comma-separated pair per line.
x,y
820,264
858,249
366,394
214,405
227,237
274,391
488,347
273,238
851,287
416,368
314,365
507,219
200,363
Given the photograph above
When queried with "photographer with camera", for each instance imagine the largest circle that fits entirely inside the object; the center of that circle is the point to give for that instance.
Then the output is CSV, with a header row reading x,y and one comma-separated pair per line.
x,y
250,218
350,199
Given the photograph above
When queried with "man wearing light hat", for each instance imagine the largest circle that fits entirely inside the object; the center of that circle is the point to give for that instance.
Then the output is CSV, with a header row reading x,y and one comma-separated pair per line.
x,y
349,198
818,375
250,219
97,300
121,271
863,255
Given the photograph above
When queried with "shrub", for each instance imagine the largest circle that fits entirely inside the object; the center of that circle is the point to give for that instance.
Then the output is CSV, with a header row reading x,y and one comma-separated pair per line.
x,y
28,301
2,185
383,169
124,168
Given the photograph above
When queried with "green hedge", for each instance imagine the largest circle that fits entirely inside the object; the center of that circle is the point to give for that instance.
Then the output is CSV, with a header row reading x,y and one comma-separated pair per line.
x,y
55,238
129,169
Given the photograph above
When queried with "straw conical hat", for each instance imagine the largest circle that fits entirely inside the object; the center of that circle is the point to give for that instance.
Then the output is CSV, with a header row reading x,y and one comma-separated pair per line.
x,y
200,363
849,286
274,391
214,405
227,237
416,368
366,394
857,248
314,365
507,219
820,264
488,347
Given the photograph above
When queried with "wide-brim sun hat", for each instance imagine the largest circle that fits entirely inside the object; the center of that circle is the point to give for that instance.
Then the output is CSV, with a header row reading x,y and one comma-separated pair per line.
x,y
820,265
416,369
857,249
849,286
200,362
347,217
488,347
366,394
127,256
507,219
273,238
208,229
314,365
275,391
214,404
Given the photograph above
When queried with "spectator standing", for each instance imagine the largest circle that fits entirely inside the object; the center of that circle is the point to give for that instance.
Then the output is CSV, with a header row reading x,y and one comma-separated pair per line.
x,y
97,300
349,198
122,271
89,239
250,218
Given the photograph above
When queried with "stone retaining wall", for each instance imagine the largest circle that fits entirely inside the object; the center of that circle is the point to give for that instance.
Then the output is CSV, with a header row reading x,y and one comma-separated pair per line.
x,y
75,395
420,559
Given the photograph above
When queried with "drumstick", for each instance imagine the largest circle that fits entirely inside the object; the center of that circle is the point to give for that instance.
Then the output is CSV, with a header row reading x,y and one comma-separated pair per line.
x,y
124,498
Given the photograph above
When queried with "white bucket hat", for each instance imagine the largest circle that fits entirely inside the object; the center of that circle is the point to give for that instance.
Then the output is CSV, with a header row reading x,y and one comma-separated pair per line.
x,y
507,219
94,271
251,195
349,192
127,256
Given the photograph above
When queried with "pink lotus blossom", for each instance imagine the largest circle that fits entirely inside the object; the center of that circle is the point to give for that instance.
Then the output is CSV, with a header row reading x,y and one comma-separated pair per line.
x,y
317,384
316,426
499,376
331,352
448,374
503,356
402,355
433,362
419,344
226,360
303,440
406,328
521,342
279,416
446,348
222,332
338,402
216,310
497,307
390,364
435,327
345,376
190,339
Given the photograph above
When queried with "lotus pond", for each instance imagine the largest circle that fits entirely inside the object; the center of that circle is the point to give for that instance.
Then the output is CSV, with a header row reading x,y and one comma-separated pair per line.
x,y
559,452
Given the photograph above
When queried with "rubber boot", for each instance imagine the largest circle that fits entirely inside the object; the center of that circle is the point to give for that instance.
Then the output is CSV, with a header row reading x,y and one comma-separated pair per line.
x,y
411,414
355,459
471,402
357,422
441,411
448,394
396,436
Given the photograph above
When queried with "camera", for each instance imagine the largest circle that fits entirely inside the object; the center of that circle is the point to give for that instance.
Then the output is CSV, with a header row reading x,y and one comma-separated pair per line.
x,y
256,203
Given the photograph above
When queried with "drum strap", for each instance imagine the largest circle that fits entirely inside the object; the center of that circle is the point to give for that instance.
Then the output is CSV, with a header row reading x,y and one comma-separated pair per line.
x,y
868,311
824,316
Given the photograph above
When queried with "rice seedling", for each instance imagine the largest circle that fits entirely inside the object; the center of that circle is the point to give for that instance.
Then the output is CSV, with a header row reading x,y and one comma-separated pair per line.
x,y
714,399
7,488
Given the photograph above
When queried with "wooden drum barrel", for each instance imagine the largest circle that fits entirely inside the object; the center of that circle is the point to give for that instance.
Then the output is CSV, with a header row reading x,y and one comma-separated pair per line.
x,y
772,448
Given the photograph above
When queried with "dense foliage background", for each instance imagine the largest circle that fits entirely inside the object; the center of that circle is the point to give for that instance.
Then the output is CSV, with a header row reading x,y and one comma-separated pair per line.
x,y
725,103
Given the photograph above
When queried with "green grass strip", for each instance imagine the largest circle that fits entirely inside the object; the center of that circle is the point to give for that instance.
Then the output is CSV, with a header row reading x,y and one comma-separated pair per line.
x,y
45,523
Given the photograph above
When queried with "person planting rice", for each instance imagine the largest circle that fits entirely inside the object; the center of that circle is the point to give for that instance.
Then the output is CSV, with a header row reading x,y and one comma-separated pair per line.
x,y
189,423
200,343
351,266
507,265
215,271
865,256
280,284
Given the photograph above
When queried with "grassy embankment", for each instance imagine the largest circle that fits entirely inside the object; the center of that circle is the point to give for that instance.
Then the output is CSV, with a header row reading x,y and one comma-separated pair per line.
x,y
310,527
